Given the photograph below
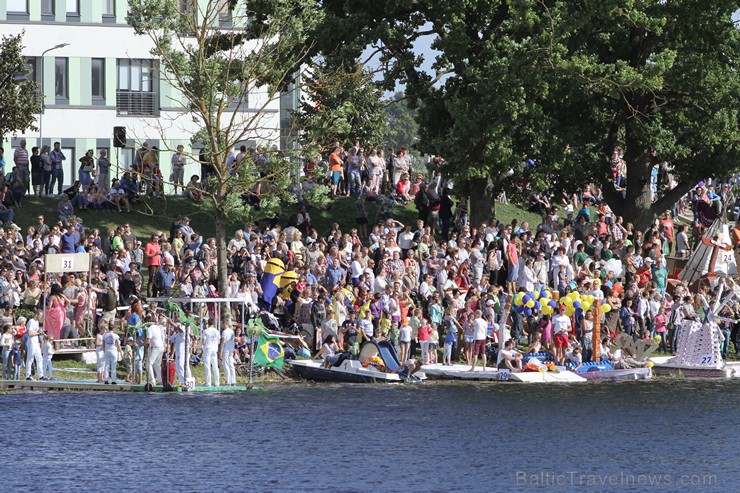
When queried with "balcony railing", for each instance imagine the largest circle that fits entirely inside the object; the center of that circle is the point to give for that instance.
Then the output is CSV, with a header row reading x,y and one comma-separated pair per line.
x,y
135,103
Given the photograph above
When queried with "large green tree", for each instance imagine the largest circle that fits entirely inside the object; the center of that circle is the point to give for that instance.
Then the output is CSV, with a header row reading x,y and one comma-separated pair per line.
x,y
216,70
18,100
529,77
659,79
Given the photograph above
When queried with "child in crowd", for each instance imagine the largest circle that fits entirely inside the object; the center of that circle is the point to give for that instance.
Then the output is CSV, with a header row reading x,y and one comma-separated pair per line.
x,y
575,358
450,340
128,357
535,346
423,334
433,344
393,335
6,343
47,352
404,339
138,349
16,359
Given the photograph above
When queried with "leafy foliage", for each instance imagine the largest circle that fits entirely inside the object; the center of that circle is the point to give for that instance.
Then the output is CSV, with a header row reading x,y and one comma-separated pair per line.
x,y
18,100
531,77
403,129
215,69
341,105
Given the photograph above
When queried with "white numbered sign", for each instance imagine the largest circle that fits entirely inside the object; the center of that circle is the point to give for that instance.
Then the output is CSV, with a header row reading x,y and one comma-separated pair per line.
x,y
189,384
706,359
503,375
68,263
727,257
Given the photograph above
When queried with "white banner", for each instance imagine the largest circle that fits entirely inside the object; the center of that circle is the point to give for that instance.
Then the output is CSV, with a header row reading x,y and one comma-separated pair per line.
x,y
66,262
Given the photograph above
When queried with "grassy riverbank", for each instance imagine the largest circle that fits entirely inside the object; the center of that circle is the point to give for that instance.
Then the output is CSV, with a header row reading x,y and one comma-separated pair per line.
x,y
157,214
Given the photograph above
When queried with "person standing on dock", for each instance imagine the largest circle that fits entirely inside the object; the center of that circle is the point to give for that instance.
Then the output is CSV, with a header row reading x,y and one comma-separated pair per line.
x,y
155,341
178,340
211,339
112,345
480,332
33,347
47,352
226,354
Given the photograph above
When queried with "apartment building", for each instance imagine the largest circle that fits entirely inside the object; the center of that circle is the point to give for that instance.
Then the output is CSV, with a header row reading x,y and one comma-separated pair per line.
x,y
96,74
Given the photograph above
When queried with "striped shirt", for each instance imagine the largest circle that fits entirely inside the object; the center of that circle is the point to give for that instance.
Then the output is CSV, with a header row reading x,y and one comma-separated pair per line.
x,y
20,157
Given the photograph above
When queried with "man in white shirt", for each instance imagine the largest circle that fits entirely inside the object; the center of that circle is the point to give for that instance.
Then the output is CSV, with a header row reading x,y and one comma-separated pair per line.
x,y
181,358
211,339
33,347
112,347
480,332
155,341
227,354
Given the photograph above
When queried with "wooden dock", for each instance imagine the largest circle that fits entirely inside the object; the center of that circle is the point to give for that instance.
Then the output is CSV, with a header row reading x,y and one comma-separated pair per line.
x,y
93,386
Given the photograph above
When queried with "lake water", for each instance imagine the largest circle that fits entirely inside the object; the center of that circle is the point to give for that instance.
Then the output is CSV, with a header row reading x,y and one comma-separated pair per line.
x,y
664,435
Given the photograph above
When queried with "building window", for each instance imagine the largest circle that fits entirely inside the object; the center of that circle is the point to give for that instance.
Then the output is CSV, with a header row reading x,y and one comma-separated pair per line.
x,y
47,7
18,6
224,13
73,7
31,62
97,77
109,7
60,80
136,94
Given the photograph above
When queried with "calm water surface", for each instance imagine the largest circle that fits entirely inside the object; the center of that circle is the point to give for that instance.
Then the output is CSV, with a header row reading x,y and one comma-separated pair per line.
x,y
436,437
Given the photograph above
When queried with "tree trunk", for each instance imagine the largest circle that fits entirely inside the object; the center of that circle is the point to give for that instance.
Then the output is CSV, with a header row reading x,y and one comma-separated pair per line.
x,y
221,252
481,201
638,203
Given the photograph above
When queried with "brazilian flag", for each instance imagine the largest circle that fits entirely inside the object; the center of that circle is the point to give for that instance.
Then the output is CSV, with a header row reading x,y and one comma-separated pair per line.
x,y
269,352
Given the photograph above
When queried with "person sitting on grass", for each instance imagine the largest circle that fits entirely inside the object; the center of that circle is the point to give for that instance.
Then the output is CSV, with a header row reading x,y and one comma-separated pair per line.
x,y
76,197
129,186
65,208
118,196
194,189
510,358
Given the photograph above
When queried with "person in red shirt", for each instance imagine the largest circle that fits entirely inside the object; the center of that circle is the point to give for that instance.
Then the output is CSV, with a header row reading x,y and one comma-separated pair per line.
x,y
336,166
668,227
402,188
423,333
153,257
644,273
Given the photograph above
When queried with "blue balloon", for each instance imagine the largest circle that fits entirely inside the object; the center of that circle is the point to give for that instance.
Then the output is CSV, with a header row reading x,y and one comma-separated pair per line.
x,y
537,305
576,305
526,298
553,304
543,294
528,312
519,309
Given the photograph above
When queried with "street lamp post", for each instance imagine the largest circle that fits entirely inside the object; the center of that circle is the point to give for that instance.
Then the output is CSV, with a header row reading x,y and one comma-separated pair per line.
x,y
43,95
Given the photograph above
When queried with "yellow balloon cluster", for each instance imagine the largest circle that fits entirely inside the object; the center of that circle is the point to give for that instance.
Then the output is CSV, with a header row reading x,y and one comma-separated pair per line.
x,y
574,301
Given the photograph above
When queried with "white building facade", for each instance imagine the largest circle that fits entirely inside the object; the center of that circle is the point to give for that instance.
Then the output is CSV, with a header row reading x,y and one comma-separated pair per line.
x,y
105,77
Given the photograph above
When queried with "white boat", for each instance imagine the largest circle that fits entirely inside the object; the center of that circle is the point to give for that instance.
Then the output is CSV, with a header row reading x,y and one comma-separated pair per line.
x,y
463,372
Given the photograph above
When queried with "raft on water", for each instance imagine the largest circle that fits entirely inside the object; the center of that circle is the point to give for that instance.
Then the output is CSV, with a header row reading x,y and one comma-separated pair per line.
x,y
463,372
